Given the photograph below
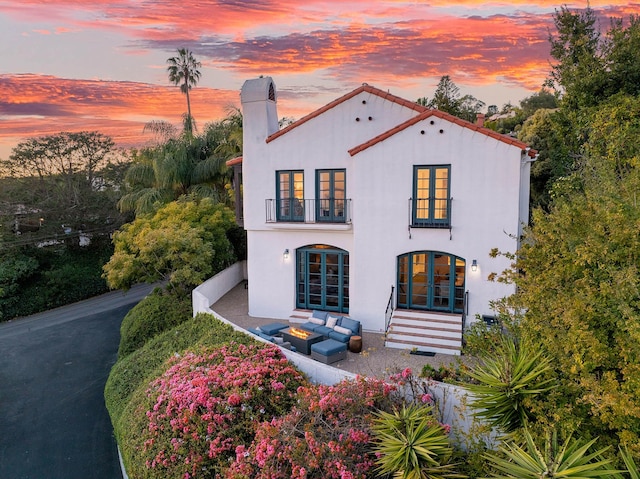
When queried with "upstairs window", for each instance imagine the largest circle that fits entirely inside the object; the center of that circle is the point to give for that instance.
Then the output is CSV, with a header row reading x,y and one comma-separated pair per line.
x,y
331,189
290,195
431,202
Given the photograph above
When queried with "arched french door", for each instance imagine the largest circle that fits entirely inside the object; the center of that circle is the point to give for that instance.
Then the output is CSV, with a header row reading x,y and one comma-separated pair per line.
x,y
322,278
431,280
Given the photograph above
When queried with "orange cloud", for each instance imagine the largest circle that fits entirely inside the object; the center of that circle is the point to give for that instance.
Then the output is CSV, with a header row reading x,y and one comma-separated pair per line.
x,y
33,105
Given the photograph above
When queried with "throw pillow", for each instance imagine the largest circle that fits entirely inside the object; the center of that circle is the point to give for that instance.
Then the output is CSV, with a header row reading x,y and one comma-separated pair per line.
x,y
340,329
332,321
316,321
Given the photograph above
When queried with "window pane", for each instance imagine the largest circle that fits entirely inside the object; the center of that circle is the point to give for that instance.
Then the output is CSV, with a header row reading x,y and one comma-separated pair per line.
x,y
419,280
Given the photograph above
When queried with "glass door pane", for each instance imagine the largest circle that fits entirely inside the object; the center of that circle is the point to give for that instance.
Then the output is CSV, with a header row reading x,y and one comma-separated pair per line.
x,y
403,280
297,193
314,281
459,291
441,193
422,193
324,196
284,195
419,281
331,281
345,283
441,281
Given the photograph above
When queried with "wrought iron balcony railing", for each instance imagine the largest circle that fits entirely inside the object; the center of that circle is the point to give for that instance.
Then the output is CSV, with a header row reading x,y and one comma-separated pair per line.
x,y
430,212
293,210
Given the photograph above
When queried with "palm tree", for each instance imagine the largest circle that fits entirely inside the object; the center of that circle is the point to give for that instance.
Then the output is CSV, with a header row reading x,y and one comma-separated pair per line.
x,y
185,165
183,71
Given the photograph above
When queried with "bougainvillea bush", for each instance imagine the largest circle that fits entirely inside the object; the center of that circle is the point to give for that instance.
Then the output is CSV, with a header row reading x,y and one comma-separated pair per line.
x,y
326,435
208,403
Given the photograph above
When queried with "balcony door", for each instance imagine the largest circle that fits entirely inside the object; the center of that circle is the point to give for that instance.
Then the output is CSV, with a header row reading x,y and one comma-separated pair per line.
x,y
322,278
331,195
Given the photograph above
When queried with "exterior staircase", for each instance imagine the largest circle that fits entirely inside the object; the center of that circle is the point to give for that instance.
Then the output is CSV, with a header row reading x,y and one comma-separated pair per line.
x,y
425,331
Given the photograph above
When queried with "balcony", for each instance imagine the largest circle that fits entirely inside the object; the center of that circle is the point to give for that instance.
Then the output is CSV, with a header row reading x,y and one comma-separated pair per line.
x,y
430,212
313,211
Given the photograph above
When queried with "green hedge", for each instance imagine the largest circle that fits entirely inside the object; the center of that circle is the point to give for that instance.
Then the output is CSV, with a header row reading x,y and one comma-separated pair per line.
x,y
62,275
161,311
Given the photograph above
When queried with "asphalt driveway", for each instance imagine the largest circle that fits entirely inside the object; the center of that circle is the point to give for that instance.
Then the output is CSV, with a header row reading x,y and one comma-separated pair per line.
x,y
53,368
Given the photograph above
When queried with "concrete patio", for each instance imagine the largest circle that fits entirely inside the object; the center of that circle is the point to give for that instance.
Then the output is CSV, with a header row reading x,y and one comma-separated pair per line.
x,y
375,359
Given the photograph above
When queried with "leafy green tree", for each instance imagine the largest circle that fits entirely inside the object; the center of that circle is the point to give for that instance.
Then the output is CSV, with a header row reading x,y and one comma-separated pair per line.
x,y
447,98
71,179
579,73
542,99
183,71
581,287
547,131
186,165
622,53
184,243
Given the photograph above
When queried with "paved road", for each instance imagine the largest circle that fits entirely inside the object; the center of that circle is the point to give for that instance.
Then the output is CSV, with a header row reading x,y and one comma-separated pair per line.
x,y
53,368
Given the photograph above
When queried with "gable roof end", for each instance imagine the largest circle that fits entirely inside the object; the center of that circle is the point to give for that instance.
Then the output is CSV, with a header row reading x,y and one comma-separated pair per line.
x,y
364,88
448,117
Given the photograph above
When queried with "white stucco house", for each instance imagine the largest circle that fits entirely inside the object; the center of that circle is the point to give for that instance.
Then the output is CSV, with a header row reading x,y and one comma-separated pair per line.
x,y
380,209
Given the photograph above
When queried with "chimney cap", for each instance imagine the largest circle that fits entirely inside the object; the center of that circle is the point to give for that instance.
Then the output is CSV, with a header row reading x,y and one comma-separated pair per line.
x,y
258,89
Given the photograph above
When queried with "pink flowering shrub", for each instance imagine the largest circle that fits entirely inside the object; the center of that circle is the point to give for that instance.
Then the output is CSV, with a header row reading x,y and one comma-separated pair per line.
x,y
326,435
207,404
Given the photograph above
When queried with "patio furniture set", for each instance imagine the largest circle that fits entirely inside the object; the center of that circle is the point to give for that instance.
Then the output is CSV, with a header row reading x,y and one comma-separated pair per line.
x,y
325,337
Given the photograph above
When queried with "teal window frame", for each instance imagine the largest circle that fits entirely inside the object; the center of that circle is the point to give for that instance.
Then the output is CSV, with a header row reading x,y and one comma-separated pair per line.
x,y
430,206
289,206
431,294
331,195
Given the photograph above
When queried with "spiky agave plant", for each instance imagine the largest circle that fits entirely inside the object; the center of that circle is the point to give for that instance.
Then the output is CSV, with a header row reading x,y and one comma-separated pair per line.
x,y
411,444
569,460
505,380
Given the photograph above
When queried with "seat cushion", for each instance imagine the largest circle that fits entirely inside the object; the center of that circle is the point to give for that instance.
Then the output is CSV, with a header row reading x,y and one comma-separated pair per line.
x,y
308,326
328,347
273,328
324,330
343,338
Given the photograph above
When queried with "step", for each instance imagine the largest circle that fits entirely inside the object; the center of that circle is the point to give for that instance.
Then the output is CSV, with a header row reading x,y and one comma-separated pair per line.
x,y
426,330
418,320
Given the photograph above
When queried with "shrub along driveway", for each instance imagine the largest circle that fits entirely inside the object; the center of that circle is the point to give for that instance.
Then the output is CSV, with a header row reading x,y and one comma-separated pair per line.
x,y
53,368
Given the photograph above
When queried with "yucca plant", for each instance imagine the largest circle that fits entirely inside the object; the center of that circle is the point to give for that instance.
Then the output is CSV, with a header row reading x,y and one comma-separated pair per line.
x,y
411,444
632,471
569,460
505,381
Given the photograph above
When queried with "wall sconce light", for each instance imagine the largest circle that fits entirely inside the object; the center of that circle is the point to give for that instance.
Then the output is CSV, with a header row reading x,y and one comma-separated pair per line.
x,y
474,265
285,255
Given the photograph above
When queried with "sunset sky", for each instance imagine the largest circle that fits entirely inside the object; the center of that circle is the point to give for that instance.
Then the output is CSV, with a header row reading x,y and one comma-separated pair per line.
x,y
70,65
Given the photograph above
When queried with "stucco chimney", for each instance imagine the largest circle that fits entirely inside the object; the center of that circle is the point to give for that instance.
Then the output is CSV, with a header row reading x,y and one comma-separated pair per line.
x,y
480,119
259,111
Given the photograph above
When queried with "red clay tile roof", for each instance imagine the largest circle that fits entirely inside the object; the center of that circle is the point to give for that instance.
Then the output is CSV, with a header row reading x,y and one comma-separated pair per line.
x,y
364,88
445,116
234,161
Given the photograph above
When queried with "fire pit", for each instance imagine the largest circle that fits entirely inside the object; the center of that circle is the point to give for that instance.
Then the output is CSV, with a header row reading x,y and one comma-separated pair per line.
x,y
301,339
